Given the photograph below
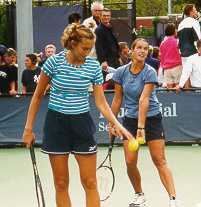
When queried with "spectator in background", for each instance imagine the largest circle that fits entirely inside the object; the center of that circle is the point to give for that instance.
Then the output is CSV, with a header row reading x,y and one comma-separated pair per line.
x,y
39,58
188,32
12,59
107,48
8,74
192,71
2,52
74,18
30,75
50,50
124,53
155,53
150,60
170,58
123,60
93,21
2,73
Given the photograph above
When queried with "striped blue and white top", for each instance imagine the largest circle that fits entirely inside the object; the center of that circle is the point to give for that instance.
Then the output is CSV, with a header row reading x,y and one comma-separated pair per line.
x,y
69,84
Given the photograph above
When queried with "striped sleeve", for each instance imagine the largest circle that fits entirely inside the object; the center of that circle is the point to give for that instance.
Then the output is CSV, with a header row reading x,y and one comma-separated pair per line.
x,y
98,78
49,66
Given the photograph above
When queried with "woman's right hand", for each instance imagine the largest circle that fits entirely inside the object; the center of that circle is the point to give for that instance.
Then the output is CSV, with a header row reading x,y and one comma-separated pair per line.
x,y
28,137
111,130
120,131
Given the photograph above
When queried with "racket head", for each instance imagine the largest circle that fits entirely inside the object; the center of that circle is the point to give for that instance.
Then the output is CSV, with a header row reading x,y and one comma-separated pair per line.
x,y
105,181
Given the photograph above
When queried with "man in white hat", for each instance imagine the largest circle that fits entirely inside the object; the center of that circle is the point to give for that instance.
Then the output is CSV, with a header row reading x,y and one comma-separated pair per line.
x,y
93,21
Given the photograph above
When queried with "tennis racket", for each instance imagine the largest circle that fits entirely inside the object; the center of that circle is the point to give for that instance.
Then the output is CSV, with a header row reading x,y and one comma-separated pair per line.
x,y
38,185
105,174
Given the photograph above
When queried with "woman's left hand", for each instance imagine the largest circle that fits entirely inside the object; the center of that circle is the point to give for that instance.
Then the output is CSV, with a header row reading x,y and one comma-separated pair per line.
x,y
140,133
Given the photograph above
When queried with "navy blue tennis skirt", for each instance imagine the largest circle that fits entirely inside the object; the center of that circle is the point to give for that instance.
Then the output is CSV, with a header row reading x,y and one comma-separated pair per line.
x,y
64,133
153,127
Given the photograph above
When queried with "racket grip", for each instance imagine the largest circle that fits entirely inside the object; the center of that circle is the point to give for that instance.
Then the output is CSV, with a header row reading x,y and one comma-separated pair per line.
x,y
112,140
111,143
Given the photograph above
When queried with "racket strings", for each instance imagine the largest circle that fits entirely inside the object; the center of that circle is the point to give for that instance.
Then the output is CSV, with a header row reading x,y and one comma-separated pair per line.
x,y
105,178
103,183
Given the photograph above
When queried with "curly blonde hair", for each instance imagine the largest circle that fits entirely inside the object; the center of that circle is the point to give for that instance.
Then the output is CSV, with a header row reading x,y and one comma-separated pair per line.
x,y
74,33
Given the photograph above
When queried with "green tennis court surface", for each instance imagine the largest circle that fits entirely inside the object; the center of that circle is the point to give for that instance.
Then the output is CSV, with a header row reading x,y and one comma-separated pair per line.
x,y
17,183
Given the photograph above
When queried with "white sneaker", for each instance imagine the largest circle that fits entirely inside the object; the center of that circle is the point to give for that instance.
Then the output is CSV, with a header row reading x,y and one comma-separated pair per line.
x,y
174,203
138,201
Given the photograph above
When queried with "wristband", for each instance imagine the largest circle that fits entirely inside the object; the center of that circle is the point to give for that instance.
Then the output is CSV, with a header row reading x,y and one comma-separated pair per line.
x,y
140,128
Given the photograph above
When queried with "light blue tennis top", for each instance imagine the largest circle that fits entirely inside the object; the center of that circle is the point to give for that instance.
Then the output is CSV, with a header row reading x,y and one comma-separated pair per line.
x,y
133,85
69,84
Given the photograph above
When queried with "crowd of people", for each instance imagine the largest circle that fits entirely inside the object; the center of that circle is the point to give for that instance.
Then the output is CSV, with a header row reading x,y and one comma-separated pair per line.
x,y
172,60
177,50
30,75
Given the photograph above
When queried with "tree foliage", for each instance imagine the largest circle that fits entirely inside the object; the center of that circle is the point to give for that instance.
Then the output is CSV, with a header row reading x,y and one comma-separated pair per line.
x,y
116,5
159,7
151,7
3,25
196,2
179,5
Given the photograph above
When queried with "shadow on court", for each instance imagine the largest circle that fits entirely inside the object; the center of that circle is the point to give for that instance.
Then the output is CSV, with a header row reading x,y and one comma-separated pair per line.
x,y
17,181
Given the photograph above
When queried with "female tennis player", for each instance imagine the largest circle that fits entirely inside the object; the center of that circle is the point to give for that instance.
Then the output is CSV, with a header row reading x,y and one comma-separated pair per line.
x,y
135,82
69,127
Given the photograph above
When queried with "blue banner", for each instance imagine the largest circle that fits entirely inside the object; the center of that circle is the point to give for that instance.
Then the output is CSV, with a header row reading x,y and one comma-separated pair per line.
x,y
181,117
49,24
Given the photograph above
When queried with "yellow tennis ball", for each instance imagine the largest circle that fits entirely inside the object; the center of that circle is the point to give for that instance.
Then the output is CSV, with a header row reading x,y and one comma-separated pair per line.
x,y
141,140
133,145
